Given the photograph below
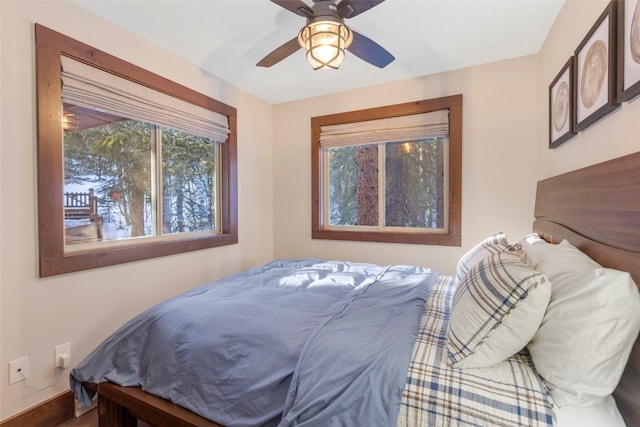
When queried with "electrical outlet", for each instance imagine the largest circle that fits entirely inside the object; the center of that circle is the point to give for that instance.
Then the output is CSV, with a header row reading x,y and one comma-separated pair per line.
x,y
62,355
18,370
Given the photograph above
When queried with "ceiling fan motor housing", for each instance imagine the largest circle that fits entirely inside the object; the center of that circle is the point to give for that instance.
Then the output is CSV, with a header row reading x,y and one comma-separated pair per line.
x,y
325,36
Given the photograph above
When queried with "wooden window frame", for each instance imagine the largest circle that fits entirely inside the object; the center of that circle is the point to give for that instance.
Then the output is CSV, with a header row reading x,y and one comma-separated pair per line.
x,y
50,45
451,237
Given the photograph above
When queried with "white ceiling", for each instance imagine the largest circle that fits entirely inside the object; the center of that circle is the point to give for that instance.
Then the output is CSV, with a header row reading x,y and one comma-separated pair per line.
x,y
228,37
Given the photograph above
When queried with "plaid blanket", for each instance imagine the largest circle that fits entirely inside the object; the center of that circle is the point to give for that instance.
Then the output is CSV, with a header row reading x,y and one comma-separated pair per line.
x,y
507,394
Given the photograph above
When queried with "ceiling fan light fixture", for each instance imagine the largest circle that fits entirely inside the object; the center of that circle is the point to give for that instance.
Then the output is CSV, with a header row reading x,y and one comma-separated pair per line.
x,y
325,40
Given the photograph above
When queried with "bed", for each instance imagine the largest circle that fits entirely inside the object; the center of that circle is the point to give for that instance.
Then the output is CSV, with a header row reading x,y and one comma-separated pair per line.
x,y
448,367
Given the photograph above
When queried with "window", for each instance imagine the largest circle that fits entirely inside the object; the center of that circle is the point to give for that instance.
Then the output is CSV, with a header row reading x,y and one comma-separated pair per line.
x,y
389,174
130,165
110,172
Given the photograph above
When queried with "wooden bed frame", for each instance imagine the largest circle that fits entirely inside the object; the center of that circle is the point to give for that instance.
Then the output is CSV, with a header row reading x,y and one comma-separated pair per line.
x,y
597,208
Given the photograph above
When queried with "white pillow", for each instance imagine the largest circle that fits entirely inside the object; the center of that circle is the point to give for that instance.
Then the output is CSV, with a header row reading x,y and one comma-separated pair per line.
x,y
603,414
496,309
568,265
490,245
588,331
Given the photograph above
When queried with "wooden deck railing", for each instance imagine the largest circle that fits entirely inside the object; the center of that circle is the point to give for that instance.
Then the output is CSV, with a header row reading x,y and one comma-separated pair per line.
x,y
80,205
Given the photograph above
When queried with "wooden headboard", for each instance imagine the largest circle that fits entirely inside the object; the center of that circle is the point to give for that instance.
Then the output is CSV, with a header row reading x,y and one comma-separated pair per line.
x,y
597,209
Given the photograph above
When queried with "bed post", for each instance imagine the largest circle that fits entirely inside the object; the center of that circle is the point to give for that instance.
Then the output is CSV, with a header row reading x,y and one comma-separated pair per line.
x,y
112,414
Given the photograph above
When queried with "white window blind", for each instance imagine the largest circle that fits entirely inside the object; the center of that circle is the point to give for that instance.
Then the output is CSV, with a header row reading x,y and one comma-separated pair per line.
x,y
394,129
90,87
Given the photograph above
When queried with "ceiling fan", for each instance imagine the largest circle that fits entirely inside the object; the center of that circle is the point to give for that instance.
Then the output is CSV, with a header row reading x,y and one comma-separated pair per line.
x,y
325,36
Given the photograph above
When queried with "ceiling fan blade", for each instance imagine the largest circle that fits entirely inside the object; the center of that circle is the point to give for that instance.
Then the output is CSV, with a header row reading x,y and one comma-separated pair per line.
x,y
295,6
351,8
280,53
369,51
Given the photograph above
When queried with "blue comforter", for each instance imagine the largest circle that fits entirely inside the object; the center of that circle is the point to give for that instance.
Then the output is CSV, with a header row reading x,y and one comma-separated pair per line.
x,y
291,343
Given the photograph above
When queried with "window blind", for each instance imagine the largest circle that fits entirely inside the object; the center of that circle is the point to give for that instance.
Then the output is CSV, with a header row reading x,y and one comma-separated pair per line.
x,y
90,87
394,129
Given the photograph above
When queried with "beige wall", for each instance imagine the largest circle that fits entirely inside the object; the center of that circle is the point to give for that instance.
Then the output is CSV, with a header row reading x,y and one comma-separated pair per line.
x,y
505,146
611,137
500,138
504,153
83,308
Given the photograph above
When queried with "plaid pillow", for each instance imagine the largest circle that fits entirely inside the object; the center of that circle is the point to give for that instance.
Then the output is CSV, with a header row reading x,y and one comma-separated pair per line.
x,y
496,310
490,245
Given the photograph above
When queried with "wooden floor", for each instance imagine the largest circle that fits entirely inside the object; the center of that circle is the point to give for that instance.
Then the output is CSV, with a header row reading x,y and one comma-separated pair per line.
x,y
90,419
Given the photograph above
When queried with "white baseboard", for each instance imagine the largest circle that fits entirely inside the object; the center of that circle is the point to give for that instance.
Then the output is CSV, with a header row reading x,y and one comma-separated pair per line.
x,y
79,410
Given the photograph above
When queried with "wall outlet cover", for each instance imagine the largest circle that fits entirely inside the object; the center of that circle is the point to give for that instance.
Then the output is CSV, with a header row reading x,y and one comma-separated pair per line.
x,y
58,352
18,370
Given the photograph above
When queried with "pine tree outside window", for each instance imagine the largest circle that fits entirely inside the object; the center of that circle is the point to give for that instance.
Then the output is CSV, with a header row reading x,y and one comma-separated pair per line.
x,y
390,174
131,165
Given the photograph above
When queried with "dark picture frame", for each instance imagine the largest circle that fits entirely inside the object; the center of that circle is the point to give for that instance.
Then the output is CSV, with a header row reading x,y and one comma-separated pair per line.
x,y
628,49
561,126
594,94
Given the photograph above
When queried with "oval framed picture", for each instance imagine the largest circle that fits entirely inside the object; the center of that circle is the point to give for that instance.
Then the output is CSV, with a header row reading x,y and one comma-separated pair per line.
x,y
594,72
561,106
628,80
